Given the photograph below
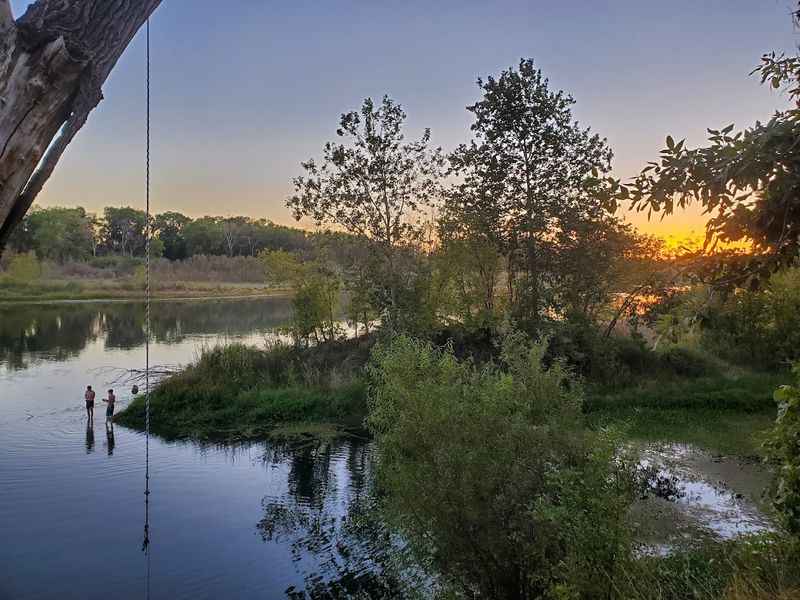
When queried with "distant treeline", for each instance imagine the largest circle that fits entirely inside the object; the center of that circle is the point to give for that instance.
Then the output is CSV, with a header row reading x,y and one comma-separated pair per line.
x,y
72,234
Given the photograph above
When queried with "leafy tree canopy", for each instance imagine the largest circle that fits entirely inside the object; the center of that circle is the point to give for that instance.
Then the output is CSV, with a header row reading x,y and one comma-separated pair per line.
x,y
747,181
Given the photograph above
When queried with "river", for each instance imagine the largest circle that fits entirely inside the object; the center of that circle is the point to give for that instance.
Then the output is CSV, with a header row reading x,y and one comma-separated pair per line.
x,y
260,520
250,521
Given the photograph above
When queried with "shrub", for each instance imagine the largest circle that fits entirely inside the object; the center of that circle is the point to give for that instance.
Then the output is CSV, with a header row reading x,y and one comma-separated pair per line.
x,y
604,360
24,268
784,303
749,327
315,306
490,473
783,448
685,362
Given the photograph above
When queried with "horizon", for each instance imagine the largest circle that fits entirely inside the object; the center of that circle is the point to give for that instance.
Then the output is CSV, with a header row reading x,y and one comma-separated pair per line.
x,y
211,149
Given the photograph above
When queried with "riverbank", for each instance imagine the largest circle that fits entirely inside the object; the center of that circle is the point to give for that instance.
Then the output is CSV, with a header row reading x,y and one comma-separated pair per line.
x,y
723,413
64,291
241,392
263,392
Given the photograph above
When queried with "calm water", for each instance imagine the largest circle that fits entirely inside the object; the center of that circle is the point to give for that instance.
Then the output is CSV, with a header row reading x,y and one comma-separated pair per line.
x,y
252,521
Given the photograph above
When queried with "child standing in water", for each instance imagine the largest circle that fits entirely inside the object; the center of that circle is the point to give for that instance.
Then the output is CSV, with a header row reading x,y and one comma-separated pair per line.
x,y
110,408
89,397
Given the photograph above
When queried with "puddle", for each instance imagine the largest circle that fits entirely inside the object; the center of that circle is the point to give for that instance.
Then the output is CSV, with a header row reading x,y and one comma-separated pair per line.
x,y
695,495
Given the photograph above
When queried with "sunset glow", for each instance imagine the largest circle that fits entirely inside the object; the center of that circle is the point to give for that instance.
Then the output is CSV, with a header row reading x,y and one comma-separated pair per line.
x,y
228,140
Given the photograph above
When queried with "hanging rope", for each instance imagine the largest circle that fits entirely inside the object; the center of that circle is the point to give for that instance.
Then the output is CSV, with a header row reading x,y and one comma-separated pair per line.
x,y
148,232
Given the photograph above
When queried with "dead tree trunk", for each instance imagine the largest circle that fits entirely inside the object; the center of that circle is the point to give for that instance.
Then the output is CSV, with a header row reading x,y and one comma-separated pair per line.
x,y
53,62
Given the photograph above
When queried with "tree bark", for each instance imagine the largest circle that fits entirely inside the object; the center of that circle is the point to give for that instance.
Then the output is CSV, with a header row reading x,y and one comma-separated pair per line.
x,y
53,62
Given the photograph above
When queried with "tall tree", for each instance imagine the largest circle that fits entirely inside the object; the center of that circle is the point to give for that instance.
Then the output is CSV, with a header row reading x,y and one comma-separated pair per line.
x,y
526,178
169,227
205,236
124,230
374,185
53,63
61,233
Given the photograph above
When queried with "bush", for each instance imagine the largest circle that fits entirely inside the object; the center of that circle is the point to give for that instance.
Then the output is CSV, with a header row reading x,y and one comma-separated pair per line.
x,y
315,307
608,361
783,448
23,268
685,362
748,327
119,265
491,475
784,302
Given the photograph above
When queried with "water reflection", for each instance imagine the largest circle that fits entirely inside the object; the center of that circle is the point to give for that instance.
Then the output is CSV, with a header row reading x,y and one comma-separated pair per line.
x,y
61,331
328,518
89,436
110,438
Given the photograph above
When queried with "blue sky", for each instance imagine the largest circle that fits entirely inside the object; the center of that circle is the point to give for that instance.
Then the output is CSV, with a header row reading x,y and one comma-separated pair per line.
x,y
246,89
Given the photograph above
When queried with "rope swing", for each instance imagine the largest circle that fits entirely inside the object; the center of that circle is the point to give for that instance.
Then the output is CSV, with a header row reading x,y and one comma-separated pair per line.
x,y
148,233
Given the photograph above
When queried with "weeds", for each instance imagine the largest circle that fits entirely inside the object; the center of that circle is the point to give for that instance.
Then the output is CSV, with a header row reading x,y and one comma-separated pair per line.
x,y
238,391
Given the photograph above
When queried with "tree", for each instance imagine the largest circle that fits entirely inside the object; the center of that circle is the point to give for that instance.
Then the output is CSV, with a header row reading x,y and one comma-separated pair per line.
x,y
748,182
169,227
527,180
594,261
374,185
54,60
124,230
316,294
61,233
205,236
475,261
232,229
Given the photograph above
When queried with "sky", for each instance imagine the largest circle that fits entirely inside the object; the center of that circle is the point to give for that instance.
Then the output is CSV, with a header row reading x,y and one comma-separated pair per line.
x,y
244,90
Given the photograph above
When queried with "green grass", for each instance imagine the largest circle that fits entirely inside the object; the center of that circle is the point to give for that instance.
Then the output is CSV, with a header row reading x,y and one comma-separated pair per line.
x,y
240,392
719,413
53,291
761,567
719,431
747,392
253,413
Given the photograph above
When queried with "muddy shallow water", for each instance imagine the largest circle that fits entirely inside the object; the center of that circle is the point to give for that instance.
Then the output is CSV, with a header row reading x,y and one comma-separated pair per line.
x,y
698,495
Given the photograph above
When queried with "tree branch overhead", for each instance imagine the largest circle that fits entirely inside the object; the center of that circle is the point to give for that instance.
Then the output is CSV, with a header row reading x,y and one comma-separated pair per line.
x,y
53,62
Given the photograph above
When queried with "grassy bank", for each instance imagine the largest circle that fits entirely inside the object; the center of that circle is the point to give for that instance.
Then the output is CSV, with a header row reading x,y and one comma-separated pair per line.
x,y
69,290
238,392
722,412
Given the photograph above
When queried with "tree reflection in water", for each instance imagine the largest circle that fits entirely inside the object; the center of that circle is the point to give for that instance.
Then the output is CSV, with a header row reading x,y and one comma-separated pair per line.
x,y
330,521
62,331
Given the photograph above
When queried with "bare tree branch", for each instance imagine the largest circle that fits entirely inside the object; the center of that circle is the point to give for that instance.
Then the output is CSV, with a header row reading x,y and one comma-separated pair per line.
x,y
53,63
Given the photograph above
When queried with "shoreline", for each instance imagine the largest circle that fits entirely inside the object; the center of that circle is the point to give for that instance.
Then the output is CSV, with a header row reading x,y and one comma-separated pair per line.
x,y
140,298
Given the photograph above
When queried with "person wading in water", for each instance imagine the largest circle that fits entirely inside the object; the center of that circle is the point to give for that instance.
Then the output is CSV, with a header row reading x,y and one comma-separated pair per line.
x,y
110,408
89,397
